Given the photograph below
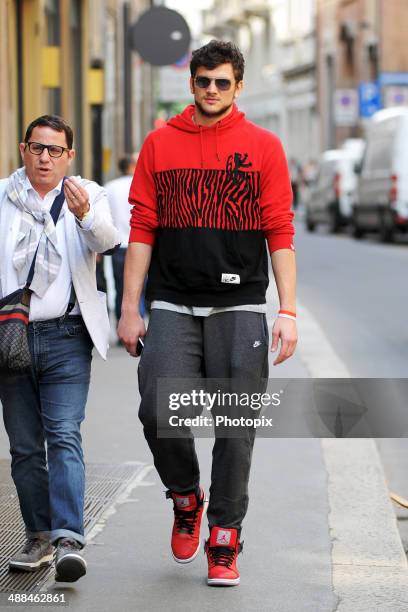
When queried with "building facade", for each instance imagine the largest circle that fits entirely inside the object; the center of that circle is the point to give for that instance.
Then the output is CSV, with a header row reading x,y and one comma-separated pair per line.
x,y
362,63
72,58
278,40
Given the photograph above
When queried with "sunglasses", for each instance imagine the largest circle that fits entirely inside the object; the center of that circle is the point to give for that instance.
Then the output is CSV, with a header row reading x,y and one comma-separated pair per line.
x,y
36,148
204,82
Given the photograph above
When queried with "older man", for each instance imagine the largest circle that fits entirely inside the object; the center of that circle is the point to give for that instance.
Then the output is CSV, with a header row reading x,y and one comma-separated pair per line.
x,y
46,404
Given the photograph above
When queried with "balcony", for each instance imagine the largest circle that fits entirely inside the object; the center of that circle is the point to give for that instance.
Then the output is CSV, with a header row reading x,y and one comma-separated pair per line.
x,y
298,55
231,14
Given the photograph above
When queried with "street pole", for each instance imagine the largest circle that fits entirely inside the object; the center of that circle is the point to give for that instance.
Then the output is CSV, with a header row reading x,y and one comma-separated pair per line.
x,y
127,81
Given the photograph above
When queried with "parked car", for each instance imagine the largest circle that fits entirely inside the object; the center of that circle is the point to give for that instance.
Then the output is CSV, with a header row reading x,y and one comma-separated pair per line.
x,y
333,194
355,146
382,201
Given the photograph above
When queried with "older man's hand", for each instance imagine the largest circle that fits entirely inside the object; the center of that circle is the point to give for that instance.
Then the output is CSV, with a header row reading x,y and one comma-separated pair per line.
x,y
77,198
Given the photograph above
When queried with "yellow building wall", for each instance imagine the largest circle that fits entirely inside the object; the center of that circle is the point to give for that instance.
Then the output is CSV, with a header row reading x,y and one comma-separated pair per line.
x,y
9,157
43,67
32,28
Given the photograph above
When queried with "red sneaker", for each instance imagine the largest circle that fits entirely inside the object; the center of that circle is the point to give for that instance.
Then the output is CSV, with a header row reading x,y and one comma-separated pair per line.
x,y
222,550
188,514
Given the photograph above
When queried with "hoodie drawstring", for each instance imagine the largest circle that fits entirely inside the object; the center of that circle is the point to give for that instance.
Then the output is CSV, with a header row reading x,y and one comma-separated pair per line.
x,y
201,145
216,141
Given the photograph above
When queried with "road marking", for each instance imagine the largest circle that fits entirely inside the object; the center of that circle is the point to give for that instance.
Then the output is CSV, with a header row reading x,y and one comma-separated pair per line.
x,y
369,566
314,348
122,498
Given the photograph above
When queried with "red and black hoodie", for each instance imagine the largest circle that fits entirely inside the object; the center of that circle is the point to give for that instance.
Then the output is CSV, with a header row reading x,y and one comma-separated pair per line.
x,y
206,198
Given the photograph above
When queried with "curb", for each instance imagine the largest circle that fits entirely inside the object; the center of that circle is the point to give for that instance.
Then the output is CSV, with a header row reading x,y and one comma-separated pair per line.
x,y
370,570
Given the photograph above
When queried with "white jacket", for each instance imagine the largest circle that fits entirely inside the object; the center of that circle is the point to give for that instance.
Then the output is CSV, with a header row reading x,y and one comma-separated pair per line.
x,y
82,246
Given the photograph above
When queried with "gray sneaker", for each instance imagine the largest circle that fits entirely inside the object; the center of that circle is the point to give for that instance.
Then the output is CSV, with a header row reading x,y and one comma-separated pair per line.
x,y
70,564
35,554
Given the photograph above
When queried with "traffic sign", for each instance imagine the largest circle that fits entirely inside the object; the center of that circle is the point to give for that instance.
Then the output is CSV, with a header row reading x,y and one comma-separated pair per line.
x,y
395,96
161,36
393,78
345,106
370,98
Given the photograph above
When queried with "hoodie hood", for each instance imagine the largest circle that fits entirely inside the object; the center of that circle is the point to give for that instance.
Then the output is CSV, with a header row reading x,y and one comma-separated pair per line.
x,y
184,122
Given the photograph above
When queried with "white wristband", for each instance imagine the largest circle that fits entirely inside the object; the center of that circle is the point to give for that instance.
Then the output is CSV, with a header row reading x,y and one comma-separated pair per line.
x,y
286,316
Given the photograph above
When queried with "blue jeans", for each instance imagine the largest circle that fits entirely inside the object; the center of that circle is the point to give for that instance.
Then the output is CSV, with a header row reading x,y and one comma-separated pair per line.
x,y
47,404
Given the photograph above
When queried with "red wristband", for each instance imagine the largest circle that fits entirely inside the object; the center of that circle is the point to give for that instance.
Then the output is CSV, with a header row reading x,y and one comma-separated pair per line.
x,y
288,312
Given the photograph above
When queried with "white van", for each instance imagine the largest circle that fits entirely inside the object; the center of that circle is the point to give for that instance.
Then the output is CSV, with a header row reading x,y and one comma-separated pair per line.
x,y
333,194
355,146
382,202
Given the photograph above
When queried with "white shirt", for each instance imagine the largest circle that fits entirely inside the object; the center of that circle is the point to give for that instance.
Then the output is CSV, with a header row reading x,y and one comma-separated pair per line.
x,y
206,311
82,245
55,301
118,196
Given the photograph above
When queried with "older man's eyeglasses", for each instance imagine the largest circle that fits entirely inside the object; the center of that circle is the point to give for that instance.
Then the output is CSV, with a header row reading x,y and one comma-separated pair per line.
x,y
36,148
204,82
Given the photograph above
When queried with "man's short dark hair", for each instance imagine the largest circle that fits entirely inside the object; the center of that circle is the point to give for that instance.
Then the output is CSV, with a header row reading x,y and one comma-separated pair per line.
x,y
54,122
124,163
218,52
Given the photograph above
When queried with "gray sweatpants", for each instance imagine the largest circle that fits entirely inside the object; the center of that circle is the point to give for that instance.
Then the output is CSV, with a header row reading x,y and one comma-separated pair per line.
x,y
231,344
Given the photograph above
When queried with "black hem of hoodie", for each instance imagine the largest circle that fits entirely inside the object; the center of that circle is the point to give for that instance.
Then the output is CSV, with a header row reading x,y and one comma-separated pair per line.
x,y
238,298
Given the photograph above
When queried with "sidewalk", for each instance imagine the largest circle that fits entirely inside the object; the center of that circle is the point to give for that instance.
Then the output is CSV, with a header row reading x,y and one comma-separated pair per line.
x,y
286,564
320,534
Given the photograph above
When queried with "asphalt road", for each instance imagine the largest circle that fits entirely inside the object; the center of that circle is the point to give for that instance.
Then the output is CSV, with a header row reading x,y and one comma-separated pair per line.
x,y
358,292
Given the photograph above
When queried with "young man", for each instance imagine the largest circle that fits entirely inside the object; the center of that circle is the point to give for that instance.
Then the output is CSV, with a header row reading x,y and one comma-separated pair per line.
x,y
47,402
208,189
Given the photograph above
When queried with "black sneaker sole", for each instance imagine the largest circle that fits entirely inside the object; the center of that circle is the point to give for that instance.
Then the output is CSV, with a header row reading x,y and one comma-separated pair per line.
x,y
70,569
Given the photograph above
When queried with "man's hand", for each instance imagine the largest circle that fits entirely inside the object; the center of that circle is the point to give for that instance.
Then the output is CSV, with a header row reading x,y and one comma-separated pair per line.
x,y
285,330
77,198
131,327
